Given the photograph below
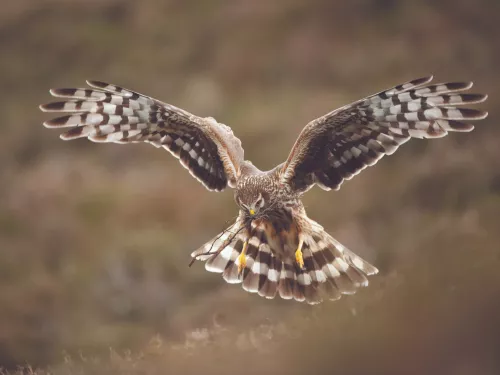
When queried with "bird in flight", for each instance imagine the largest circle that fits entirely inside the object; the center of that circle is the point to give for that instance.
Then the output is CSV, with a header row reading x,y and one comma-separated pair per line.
x,y
273,247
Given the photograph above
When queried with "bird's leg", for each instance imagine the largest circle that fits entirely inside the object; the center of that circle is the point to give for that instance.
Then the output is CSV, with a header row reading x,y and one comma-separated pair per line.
x,y
242,260
298,254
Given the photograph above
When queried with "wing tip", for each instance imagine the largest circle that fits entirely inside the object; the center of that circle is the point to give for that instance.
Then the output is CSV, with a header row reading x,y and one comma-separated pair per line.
x,y
58,122
77,132
52,107
459,126
423,80
459,86
44,107
474,98
472,114
483,115
67,136
52,124
62,92
96,83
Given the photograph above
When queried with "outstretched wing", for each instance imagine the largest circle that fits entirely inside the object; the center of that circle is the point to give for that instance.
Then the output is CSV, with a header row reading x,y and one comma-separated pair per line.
x,y
339,145
108,113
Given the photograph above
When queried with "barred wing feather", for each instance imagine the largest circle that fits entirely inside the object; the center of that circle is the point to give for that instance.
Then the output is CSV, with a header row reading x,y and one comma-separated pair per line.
x,y
340,144
108,113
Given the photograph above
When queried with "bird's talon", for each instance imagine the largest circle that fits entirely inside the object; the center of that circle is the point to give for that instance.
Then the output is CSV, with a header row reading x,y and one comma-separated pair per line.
x,y
242,263
242,260
299,258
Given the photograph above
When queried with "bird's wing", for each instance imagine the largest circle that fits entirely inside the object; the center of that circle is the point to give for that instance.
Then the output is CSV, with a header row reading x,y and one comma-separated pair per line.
x,y
108,113
340,144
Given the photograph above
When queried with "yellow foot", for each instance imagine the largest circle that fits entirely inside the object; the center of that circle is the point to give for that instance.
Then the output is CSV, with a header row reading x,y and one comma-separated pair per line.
x,y
242,263
299,258
242,260
298,254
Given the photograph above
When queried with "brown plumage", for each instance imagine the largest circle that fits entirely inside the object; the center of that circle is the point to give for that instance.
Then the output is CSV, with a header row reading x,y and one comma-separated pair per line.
x,y
273,248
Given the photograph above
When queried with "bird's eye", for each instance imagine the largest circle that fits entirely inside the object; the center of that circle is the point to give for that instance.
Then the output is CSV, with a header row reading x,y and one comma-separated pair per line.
x,y
260,202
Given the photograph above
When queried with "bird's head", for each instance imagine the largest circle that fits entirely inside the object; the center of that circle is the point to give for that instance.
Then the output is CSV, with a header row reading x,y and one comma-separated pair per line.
x,y
252,202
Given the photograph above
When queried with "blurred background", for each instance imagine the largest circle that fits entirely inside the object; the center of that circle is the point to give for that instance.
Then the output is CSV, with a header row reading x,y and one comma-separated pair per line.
x,y
95,239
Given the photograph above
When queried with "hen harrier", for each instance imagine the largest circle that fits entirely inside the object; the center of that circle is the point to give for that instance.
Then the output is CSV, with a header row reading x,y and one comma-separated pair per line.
x,y
273,247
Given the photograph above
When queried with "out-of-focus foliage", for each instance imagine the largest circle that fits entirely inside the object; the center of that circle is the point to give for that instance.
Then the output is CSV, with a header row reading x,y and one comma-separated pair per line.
x,y
95,239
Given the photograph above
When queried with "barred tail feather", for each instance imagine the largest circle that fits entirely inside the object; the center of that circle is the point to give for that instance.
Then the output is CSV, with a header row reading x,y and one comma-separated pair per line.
x,y
330,269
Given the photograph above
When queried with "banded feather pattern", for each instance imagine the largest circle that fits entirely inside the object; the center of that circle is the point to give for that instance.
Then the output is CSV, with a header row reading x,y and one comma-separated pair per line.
x,y
330,269
340,144
108,113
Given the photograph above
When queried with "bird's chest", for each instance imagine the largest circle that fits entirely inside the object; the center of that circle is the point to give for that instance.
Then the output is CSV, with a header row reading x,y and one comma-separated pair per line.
x,y
280,229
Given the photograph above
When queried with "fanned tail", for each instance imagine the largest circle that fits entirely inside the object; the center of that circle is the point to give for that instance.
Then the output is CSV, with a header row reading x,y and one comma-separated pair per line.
x,y
330,269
